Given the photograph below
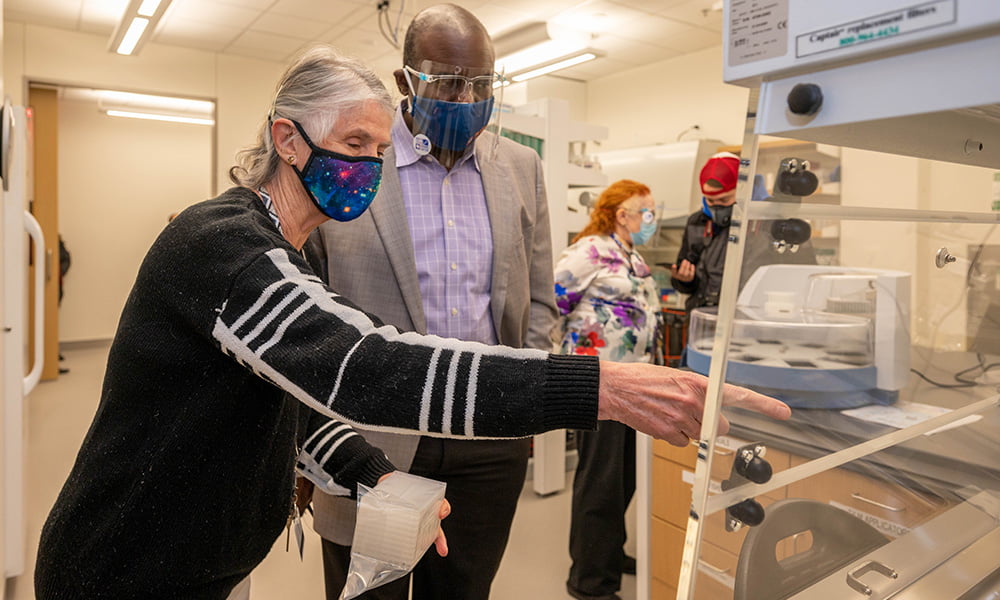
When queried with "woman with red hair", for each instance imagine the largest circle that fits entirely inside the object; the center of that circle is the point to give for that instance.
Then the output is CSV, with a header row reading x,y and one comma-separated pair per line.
x,y
608,303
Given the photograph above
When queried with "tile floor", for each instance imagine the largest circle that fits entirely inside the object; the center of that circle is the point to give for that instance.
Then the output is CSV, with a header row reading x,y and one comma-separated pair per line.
x,y
60,412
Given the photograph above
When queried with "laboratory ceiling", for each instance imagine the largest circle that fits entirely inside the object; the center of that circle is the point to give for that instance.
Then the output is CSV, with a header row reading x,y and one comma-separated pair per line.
x,y
631,33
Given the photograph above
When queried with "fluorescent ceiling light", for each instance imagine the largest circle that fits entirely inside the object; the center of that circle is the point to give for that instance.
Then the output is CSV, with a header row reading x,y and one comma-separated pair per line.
x,y
156,117
562,64
132,35
131,101
148,8
539,48
137,23
536,55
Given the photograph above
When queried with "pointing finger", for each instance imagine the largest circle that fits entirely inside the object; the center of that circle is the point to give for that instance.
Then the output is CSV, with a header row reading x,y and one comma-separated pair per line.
x,y
749,399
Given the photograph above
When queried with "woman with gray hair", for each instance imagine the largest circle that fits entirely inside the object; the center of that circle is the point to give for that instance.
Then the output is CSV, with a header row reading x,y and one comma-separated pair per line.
x,y
186,477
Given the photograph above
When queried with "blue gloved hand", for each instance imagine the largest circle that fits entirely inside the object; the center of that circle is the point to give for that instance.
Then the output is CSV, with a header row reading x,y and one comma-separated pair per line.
x,y
759,189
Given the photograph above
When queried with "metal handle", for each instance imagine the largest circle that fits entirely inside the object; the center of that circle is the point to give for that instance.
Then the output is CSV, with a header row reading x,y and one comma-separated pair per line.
x,y
872,565
858,496
35,232
795,541
713,568
6,141
724,451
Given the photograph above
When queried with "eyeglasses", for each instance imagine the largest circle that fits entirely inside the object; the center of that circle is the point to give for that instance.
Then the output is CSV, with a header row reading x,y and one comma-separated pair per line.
x,y
448,85
648,214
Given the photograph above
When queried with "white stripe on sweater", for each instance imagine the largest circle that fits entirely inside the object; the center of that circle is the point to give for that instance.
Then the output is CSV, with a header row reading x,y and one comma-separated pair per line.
x,y
310,441
329,431
470,396
347,435
265,295
449,394
279,333
425,398
340,373
322,298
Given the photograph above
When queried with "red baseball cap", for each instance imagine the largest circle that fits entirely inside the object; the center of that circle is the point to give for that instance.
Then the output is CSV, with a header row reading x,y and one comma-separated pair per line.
x,y
724,168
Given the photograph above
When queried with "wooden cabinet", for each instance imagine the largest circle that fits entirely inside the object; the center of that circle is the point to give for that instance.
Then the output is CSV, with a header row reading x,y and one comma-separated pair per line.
x,y
891,508
673,476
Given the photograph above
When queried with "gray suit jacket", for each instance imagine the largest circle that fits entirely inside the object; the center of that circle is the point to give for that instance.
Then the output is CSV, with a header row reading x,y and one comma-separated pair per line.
x,y
371,261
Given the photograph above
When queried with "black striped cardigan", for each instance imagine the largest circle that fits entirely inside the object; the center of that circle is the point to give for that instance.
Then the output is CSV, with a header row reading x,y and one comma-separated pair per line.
x,y
184,480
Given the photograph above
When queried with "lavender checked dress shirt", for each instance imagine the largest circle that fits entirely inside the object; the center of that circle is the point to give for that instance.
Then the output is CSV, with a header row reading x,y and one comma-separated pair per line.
x,y
452,242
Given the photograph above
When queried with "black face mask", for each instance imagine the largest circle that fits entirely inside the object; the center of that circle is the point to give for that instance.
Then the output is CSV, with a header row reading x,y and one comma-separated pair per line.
x,y
722,215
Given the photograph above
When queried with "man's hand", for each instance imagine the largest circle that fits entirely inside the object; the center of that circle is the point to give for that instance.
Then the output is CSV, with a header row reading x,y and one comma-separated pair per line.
x,y
667,403
683,272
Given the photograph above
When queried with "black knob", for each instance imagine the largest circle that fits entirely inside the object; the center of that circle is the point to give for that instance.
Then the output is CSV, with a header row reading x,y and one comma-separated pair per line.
x,y
805,99
801,183
749,512
756,470
792,231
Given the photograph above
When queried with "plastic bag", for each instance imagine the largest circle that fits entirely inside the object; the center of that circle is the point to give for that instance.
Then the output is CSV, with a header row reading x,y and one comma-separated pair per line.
x,y
397,521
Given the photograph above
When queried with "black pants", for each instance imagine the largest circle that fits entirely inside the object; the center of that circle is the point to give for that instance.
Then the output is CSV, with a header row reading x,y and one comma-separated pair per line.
x,y
602,489
484,480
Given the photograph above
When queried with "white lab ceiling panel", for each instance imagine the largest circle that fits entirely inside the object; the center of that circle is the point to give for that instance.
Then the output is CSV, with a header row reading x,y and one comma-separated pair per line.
x,y
699,13
197,34
667,33
631,52
327,11
101,16
62,14
600,16
541,9
212,12
366,45
630,32
499,19
289,26
652,6
254,4
268,46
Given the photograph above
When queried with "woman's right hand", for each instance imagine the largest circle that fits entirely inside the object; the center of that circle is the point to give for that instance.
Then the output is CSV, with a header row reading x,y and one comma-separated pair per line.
x,y
441,542
668,403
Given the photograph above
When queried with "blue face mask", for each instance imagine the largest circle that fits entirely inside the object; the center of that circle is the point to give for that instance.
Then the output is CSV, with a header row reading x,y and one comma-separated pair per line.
x,y
646,231
450,125
341,186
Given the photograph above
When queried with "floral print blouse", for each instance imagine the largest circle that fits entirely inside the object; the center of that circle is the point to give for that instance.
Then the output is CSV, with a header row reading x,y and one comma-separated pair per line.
x,y
607,301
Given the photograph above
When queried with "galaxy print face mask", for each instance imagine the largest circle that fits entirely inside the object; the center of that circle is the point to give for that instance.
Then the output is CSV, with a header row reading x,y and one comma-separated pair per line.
x,y
341,186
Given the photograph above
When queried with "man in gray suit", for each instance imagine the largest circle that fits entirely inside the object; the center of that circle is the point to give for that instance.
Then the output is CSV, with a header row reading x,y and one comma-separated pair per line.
x,y
457,244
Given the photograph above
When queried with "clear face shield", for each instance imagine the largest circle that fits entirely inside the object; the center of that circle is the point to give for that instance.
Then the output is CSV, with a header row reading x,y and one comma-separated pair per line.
x,y
451,106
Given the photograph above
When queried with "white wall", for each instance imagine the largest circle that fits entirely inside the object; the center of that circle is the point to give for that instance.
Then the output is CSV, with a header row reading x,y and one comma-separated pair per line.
x,y
549,86
129,212
653,104
119,179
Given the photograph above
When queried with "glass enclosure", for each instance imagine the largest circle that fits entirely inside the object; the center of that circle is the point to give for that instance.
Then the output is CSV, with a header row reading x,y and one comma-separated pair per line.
x,y
876,316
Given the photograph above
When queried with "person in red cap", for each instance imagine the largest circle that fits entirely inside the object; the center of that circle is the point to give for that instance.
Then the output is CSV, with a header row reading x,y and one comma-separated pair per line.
x,y
698,269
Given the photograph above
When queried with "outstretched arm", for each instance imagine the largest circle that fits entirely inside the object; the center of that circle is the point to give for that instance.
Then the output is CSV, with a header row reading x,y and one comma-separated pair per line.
x,y
668,403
